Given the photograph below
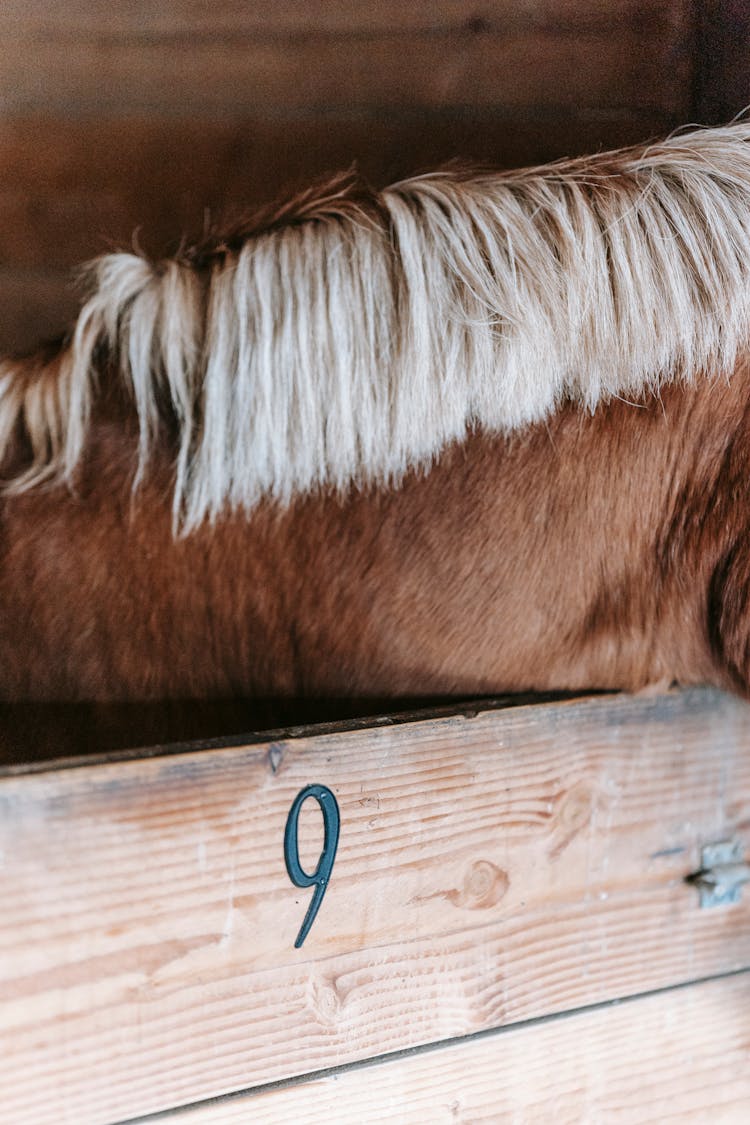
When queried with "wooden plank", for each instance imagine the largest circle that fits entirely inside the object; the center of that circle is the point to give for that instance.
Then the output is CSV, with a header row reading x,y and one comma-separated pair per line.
x,y
134,20
34,732
491,868
679,1057
207,78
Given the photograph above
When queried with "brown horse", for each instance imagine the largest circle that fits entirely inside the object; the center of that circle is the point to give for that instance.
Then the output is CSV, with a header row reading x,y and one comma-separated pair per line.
x,y
472,434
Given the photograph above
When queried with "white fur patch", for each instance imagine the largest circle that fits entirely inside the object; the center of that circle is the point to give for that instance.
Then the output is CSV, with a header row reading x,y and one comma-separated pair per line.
x,y
346,349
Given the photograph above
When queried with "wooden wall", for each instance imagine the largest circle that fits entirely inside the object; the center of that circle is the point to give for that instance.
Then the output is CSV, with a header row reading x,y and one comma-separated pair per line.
x,y
144,117
503,878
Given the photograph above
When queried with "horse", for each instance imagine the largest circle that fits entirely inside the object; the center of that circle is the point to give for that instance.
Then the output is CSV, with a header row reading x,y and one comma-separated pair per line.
x,y
477,433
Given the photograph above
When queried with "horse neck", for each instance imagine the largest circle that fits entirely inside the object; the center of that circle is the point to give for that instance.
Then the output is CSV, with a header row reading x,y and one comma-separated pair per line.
x,y
597,551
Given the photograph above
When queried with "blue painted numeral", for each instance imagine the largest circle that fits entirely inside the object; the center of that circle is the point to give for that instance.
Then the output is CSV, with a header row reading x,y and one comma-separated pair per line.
x,y
320,876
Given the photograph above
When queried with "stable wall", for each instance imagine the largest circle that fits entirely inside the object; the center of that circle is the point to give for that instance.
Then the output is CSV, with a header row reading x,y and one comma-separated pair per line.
x,y
508,931
147,118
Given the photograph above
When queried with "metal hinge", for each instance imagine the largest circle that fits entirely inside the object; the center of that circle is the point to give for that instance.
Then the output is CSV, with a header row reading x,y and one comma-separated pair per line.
x,y
722,873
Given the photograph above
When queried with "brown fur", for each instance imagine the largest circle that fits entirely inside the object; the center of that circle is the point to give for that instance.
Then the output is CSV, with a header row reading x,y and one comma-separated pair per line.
x,y
609,551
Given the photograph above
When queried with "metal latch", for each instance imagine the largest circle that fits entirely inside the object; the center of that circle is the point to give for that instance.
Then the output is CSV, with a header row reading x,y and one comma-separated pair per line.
x,y
722,873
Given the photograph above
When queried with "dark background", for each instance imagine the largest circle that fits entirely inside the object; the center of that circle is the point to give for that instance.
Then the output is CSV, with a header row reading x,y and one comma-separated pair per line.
x,y
141,116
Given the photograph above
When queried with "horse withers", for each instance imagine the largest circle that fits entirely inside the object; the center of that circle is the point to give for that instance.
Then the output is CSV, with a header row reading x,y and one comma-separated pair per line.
x,y
472,434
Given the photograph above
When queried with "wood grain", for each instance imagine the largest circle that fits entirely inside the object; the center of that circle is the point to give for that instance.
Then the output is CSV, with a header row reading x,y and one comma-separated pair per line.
x,y
135,20
491,869
41,732
679,1057
208,78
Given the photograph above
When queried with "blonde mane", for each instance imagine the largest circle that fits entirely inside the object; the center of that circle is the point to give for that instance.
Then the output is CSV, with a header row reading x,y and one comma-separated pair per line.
x,y
353,337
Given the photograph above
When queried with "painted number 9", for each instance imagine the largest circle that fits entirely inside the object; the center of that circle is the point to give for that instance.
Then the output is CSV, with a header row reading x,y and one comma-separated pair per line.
x,y
322,873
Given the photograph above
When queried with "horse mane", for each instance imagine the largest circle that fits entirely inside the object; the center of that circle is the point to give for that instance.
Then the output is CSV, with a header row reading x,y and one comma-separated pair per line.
x,y
352,335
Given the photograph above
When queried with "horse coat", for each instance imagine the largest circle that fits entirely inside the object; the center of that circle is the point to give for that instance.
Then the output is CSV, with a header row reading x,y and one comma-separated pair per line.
x,y
474,433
